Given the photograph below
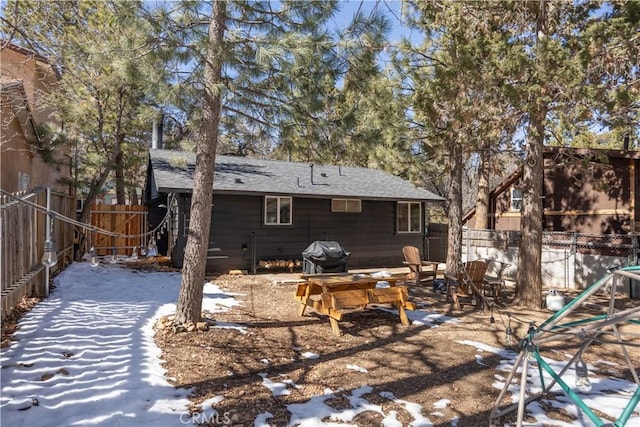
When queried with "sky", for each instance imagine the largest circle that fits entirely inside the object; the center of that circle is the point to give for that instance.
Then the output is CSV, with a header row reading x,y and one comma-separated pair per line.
x,y
392,9
86,356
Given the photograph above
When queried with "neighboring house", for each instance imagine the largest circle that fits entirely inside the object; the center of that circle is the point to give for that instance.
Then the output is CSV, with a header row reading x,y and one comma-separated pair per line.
x,y
25,78
585,191
265,210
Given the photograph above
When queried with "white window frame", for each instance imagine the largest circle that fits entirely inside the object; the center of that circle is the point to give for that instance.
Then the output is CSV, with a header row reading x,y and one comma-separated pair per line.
x,y
24,181
279,200
409,218
516,200
346,205
185,225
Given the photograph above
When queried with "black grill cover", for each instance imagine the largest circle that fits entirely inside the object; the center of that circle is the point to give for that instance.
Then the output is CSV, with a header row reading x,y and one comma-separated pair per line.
x,y
324,257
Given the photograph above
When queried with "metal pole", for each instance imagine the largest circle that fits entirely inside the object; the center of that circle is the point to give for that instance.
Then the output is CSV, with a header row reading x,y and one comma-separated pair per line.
x,y
253,252
1,247
47,236
523,388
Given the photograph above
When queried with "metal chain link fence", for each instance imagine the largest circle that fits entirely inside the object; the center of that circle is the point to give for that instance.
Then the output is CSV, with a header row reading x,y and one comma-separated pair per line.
x,y
569,260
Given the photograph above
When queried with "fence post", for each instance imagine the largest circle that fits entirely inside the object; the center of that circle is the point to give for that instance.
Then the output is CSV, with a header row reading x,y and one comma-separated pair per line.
x,y
572,260
47,225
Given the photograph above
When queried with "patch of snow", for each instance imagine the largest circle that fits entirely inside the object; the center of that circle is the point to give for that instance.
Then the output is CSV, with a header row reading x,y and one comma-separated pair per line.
x,y
309,355
441,404
357,368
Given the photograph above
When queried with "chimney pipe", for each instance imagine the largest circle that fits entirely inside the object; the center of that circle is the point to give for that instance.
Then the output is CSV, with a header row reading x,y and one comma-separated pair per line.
x,y
156,137
311,166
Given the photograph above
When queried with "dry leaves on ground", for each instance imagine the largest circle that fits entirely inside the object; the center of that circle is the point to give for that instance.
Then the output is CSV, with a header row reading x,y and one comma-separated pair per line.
x,y
419,363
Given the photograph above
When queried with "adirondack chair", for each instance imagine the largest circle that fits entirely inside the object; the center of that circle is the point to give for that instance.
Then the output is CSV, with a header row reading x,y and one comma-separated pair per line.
x,y
419,271
467,285
494,284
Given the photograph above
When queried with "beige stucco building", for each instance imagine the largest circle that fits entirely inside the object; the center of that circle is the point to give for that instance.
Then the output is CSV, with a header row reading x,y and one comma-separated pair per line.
x,y
25,80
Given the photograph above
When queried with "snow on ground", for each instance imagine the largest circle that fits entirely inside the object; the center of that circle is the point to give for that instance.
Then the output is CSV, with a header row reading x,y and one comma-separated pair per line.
x,y
608,395
86,357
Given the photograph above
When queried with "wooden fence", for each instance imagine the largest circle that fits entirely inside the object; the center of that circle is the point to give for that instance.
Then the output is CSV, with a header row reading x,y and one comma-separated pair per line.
x,y
22,235
435,243
128,220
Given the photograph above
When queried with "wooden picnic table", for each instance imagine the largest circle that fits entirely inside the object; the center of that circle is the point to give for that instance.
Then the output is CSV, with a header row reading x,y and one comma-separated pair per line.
x,y
333,295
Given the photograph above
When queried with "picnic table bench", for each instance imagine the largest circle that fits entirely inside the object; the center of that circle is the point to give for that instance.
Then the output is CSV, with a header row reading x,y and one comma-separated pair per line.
x,y
334,295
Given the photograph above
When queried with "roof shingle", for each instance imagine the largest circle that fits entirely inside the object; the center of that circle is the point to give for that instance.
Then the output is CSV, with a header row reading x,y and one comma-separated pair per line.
x,y
173,172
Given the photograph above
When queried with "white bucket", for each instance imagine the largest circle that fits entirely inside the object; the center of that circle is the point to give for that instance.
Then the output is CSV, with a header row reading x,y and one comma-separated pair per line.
x,y
555,300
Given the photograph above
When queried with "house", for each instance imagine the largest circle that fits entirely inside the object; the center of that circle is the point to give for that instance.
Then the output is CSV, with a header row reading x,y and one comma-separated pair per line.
x,y
25,79
268,210
585,191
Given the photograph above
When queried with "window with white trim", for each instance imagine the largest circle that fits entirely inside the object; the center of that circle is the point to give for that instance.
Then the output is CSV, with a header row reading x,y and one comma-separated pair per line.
x,y
516,199
24,181
186,220
346,205
277,210
409,217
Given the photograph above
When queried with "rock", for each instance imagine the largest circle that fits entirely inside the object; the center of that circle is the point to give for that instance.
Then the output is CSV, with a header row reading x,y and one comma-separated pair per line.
x,y
62,371
179,329
46,377
202,326
10,328
5,343
191,327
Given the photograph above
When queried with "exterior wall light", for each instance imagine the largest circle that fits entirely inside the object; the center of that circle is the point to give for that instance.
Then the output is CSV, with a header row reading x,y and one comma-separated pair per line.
x,y
50,257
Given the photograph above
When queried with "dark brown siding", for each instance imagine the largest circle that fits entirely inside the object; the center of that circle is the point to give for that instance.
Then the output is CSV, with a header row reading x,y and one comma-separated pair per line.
x,y
177,250
580,196
370,235
588,197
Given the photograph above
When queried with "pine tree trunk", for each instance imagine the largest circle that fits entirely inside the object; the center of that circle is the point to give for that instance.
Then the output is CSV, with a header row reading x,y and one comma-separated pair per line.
x,y
195,254
529,281
482,199
454,200
94,190
133,197
119,171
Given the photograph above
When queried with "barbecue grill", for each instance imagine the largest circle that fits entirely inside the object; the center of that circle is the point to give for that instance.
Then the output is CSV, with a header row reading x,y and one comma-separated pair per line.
x,y
324,257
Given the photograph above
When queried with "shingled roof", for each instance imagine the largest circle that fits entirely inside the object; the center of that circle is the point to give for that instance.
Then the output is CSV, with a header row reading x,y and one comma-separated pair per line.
x,y
173,172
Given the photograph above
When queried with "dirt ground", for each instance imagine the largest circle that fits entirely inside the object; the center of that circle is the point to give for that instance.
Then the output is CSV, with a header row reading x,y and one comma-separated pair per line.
x,y
417,363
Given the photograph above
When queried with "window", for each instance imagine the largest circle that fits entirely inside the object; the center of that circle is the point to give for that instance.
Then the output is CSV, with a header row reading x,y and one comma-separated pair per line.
x,y
346,205
277,210
516,199
409,217
186,220
24,179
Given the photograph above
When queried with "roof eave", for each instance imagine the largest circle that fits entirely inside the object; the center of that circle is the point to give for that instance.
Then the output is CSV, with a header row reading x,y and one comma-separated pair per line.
x,y
303,195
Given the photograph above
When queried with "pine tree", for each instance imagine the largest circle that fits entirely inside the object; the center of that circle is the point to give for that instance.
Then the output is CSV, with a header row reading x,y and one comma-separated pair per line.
x,y
461,113
196,249
101,53
261,68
